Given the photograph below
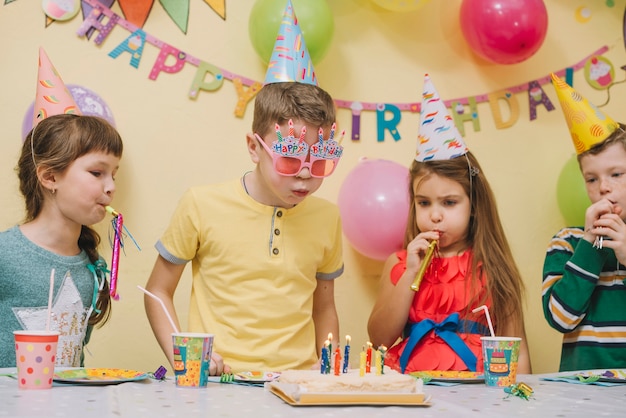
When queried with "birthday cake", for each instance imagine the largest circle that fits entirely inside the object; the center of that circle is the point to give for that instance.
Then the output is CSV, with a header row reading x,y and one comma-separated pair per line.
x,y
389,381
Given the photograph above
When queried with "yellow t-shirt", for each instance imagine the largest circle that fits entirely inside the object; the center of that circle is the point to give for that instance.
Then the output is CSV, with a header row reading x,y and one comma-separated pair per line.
x,y
255,269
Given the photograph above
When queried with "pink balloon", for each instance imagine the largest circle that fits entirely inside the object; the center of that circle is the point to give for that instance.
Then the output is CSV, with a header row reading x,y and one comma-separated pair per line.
x,y
374,206
88,102
504,31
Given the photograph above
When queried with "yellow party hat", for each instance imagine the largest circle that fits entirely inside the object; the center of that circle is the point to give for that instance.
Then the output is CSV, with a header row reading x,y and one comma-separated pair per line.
x,y
587,124
53,97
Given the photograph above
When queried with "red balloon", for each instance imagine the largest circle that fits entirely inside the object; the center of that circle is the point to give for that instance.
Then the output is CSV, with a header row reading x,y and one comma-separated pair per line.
x,y
504,31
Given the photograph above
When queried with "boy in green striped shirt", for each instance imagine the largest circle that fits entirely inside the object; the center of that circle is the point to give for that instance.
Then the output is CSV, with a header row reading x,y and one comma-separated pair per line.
x,y
584,295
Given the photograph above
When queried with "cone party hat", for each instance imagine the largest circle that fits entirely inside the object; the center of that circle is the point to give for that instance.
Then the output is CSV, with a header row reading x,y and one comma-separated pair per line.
x,y
587,124
290,59
53,97
438,137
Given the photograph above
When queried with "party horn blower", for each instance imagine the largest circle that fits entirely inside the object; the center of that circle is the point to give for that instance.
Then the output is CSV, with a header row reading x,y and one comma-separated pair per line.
x,y
425,262
111,210
117,243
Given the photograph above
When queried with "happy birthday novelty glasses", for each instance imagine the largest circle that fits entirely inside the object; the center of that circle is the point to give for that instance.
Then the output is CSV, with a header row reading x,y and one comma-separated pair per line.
x,y
289,154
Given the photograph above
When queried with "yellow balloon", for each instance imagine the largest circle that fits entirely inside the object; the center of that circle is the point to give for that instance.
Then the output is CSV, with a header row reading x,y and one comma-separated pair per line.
x,y
401,5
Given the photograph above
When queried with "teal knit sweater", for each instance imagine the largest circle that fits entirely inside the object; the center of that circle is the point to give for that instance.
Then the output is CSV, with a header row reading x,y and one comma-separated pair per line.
x,y
24,289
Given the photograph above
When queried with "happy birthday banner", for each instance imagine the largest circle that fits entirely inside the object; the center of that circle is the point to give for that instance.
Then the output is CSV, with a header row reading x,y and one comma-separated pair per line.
x,y
600,76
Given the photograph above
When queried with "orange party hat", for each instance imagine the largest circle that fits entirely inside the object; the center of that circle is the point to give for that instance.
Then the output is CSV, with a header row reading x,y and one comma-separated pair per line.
x,y
53,97
587,124
290,59
438,138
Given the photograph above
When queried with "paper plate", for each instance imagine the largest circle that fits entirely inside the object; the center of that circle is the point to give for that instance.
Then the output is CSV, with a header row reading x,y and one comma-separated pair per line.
x,y
256,376
98,376
450,376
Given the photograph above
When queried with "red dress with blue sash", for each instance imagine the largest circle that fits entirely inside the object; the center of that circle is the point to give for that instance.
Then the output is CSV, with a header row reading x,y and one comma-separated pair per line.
x,y
441,337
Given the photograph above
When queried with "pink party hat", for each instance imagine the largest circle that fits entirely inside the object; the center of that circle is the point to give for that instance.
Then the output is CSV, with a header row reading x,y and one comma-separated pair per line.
x,y
290,59
587,124
53,98
438,137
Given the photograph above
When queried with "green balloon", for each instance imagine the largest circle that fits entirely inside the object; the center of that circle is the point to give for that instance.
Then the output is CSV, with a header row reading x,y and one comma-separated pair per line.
x,y
571,194
314,18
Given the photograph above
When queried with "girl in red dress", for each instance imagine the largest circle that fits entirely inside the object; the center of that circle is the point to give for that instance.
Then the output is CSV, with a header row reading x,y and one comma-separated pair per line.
x,y
433,327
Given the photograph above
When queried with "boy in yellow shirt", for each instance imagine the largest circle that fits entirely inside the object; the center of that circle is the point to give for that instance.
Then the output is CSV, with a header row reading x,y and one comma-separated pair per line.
x,y
264,252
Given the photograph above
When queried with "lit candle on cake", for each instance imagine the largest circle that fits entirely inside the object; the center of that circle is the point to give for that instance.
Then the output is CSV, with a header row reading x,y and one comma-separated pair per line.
x,y
324,358
346,355
383,351
337,361
362,361
368,358
329,354
377,363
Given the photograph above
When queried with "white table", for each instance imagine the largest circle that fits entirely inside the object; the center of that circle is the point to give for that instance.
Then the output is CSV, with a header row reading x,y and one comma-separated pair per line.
x,y
153,399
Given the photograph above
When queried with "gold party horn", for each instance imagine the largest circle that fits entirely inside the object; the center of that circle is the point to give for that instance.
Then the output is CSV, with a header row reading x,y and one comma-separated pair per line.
x,y
425,262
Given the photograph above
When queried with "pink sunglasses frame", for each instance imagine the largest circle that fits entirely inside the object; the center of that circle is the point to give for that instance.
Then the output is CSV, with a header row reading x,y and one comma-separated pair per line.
x,y
302,158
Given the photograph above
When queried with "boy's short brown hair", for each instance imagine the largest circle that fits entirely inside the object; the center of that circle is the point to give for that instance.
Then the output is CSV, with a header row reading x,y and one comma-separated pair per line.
x,y
279,102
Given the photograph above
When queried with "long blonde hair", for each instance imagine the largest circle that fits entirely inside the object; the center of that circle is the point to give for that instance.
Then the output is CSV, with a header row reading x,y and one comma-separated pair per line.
x,y
486,235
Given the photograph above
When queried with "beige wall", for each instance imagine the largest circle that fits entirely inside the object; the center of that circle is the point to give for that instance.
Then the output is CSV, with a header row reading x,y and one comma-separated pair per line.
x,y
376,56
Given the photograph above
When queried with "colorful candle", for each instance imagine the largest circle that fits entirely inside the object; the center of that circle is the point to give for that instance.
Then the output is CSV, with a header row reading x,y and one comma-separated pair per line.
x,y
330,362
324,358
337,361
368,358
383,351
377,362
346,355
330,351
362,360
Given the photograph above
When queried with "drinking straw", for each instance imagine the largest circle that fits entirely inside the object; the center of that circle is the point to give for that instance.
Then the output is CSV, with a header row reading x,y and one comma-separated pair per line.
x,y
484,308
155,297
51,292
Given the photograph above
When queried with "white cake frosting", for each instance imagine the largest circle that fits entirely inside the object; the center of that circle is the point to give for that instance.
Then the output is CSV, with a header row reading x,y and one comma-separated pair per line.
x,y
389,381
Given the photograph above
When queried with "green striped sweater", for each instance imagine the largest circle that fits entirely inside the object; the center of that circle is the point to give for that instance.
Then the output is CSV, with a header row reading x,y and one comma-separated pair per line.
x,y
584,297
